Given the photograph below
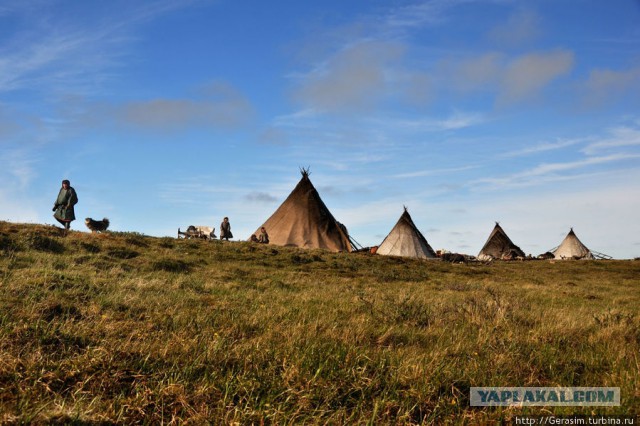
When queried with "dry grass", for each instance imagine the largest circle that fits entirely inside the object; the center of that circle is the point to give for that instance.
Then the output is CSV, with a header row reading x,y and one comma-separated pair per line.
x,y
123,328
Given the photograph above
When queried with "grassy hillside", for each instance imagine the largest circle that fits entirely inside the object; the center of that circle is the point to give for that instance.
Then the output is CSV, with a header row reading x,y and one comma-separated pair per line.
x,y
126,328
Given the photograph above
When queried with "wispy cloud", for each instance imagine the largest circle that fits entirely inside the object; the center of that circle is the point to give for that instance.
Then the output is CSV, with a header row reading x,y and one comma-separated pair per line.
x,y
297,118
58,54
49,61
20,164
619,137
457,120
543,147
261,197
551,172
546,168
416,15
432,172
195,191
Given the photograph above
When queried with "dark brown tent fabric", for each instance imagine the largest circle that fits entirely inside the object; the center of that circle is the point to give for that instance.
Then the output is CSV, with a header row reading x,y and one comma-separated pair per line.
x,y
406,240
499,246
303,220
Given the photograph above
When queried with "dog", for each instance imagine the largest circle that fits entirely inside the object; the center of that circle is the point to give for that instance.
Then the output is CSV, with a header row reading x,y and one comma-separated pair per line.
x,y
97,225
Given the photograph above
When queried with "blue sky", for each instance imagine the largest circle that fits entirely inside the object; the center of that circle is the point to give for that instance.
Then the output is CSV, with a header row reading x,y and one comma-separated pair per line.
x,y
165,114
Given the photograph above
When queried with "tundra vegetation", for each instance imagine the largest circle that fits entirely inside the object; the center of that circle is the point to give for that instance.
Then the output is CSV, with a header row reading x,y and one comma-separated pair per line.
x,y
126,328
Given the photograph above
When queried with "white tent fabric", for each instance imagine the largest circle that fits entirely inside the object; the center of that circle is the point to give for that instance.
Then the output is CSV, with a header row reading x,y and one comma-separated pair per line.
x,y
406,240
572,248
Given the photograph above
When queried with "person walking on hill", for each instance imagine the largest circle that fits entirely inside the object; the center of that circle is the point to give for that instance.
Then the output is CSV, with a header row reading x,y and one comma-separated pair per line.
x,y
63,207
225,229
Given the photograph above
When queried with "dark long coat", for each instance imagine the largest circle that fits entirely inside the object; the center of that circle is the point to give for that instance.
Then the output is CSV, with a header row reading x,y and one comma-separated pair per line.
x,y
225,230
67,198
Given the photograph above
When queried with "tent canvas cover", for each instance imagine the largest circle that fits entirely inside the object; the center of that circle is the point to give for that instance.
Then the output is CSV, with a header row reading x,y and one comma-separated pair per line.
x,y
406,240
499,246
572,248
303,220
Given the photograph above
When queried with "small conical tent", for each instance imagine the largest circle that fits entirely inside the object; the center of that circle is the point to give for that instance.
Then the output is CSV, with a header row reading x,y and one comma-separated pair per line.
x,y
303,220
406,240
572,248
499,246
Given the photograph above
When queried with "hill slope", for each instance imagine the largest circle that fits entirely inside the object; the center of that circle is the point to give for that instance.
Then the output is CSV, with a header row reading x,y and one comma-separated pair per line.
x,y
126,328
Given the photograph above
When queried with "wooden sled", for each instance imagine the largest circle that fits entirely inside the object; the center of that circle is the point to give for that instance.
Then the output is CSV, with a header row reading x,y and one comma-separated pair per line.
x,y
203,232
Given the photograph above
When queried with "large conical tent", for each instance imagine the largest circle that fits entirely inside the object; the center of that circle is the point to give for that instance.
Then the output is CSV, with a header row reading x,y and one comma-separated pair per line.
x,y
572,248
499,246
303,220
406,240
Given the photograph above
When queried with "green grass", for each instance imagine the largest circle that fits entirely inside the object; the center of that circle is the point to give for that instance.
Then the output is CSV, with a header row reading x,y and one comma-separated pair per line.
x,y
124,328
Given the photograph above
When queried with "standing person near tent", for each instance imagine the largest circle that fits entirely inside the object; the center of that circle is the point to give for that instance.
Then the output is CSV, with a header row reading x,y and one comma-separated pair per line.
x,y
225,229
63,207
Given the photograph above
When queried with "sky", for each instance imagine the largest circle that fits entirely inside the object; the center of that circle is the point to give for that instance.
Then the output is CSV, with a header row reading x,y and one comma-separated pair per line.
x,y
165,114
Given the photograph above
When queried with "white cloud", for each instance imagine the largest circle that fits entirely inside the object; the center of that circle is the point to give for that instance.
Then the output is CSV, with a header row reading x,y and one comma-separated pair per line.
x,y
556,167
460,120
619,137
511,79
457,120
417,15
18,171
606,85
19,164
543,147
261,197
355,78
550,172
232,111
527,75
432,172
57,54
201,190
478,72
297,119
520,28
218,105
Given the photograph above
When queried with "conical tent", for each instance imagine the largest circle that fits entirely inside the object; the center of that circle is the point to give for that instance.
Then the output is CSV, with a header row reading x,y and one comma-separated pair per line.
x,y
572,248
499,246
406,240
303,220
